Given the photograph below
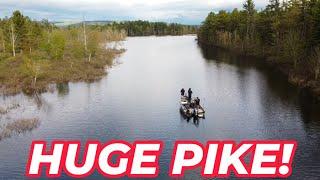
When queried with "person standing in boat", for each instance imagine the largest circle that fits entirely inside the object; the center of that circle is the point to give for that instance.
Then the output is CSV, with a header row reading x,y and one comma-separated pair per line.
x,y
182,92
197,101
189,94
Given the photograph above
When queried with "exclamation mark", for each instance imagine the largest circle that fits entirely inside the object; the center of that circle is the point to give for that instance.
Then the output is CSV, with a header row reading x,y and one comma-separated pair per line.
x,y
284,169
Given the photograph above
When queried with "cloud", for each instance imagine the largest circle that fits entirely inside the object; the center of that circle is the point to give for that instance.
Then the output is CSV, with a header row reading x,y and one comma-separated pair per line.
x,y
183,11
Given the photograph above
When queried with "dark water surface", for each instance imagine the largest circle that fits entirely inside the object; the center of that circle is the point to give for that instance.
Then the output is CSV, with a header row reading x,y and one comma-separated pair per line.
x,y
139,100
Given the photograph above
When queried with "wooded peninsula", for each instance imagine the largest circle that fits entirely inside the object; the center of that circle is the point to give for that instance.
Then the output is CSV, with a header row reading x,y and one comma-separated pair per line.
x,y
35,54
286,34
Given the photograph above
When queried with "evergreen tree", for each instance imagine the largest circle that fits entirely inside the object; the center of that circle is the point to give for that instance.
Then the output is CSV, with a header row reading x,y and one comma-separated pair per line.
x,y
288,32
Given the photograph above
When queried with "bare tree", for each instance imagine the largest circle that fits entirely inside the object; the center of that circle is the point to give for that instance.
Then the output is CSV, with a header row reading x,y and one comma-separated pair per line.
x,y
36,73
13,39
85,39
89,58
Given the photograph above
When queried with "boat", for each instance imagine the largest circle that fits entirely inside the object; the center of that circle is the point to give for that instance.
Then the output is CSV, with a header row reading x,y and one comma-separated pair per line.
x,y
189,109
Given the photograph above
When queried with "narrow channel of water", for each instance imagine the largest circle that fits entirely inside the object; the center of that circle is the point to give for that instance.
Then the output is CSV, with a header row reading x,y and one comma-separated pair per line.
x,y
139,99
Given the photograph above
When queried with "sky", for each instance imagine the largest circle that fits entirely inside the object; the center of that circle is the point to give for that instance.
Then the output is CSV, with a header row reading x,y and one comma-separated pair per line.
x,y
180,11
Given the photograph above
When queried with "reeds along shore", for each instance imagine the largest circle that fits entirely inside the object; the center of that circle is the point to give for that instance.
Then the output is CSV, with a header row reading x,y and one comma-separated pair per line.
x,y
17,127
35,54
285,33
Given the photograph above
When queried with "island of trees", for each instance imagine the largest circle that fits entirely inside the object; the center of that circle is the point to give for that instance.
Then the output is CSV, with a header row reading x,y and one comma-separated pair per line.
x,y
35,54
286,33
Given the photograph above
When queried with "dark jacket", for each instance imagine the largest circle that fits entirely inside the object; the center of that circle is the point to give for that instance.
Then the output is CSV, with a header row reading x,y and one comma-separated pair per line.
x,y
182,92
189,93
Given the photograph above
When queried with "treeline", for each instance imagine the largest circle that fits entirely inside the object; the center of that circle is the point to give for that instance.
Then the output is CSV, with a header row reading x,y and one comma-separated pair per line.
x,y
36,53
146,28
19,33
286,32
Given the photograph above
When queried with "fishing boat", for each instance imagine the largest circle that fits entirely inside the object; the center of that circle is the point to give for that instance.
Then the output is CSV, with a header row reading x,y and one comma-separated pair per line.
x,y
190,109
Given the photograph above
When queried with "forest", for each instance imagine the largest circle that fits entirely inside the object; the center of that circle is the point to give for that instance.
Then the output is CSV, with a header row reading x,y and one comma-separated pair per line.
x,y
34,54
146,28
285,33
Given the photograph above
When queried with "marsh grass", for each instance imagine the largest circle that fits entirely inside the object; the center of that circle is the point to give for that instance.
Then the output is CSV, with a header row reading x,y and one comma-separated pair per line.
x,y
61,56
15,74
18,127
5,110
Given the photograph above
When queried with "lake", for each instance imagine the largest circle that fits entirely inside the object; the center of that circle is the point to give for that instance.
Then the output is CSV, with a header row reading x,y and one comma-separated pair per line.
x,y
139,100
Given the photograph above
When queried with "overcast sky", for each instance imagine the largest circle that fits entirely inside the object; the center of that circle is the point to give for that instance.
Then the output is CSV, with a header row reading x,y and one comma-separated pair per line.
x,y
181,11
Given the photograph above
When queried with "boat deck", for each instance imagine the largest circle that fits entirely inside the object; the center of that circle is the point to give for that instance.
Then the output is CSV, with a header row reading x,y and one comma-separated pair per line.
x,y
190,109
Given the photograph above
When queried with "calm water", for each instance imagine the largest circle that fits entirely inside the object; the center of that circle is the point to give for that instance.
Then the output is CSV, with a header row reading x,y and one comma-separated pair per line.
x,y
139,100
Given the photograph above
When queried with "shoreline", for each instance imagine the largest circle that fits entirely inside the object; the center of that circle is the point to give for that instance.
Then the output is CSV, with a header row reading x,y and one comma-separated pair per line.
x,y
61,72
296,79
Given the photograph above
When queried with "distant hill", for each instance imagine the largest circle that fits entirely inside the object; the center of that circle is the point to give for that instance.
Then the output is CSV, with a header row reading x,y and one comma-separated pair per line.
x,y
67,23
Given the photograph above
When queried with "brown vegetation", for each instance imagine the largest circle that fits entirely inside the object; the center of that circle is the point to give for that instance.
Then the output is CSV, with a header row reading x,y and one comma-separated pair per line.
x,y
17,74
35,54
18,127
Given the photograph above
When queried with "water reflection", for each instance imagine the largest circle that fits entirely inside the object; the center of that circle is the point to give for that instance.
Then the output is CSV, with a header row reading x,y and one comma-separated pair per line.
x,y
270,107
309,108
19,116
194,120
138,100
276,83
63,89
